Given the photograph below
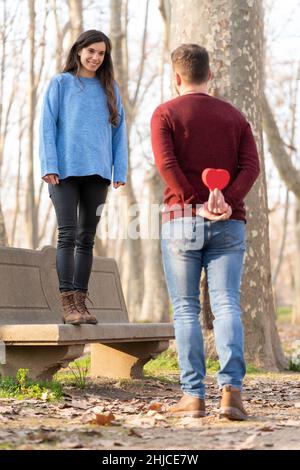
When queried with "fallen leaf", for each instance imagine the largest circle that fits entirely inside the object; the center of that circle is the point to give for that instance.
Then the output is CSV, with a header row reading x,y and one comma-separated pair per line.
x,y
133,432
266,428
103,419
25,447
151,413
7,410
79,404
71,445
160,417
249,443
155,406
97,409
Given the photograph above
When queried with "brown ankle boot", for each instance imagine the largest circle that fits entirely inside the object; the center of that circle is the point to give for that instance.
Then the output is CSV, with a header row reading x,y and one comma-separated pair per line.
x,y
188,406
231,404
80,298
71,315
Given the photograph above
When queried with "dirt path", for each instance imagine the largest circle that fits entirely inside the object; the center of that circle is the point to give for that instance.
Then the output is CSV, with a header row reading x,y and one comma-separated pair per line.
x,y
273,402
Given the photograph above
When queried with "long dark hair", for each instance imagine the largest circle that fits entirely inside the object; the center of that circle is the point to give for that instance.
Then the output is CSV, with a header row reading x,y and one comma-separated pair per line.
x,y
105,73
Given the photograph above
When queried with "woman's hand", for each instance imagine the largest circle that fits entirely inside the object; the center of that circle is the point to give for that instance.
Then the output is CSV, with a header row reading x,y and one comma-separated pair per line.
x,y
117,184
51,178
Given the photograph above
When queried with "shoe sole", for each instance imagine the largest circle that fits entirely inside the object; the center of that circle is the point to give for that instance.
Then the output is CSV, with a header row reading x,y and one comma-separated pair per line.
x,y
187,414
234,414
73,323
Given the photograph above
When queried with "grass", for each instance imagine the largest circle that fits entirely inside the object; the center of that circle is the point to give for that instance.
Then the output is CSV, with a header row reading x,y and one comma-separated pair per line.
x,y
214,366
6,446
21,387
76,373
293,366
284,314
167,362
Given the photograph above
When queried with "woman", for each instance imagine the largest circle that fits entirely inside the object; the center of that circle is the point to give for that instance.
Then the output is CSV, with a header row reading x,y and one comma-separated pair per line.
x,y
82,141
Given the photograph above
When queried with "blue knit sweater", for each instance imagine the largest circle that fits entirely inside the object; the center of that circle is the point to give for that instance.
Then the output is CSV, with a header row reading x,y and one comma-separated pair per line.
x,y
76,137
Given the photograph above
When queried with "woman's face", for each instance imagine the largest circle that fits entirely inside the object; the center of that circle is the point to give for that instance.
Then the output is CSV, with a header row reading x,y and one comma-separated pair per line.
x,y
92,56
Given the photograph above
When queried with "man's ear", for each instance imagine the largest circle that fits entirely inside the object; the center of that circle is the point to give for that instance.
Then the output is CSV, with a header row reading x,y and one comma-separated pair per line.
x,y
210,75
178,80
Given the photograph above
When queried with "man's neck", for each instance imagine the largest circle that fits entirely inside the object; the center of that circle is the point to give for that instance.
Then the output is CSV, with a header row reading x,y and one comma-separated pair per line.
x,y
194,89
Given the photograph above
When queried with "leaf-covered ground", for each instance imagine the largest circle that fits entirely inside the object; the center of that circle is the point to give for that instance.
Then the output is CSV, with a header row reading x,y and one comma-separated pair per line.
x,y
131,414
134,415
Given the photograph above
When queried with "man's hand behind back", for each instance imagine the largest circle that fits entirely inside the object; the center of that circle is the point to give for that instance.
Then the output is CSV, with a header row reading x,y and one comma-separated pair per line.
x,y
216,208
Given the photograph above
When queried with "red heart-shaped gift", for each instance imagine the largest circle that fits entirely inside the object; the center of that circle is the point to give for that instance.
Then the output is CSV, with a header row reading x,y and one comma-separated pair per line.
x,y
215,178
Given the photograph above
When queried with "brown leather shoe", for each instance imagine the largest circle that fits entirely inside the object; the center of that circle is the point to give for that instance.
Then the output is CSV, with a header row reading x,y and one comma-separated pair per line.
x,y
71,315
188,406
231,404
80,299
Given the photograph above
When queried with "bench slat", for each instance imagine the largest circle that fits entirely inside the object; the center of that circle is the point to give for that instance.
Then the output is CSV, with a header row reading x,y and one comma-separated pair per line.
x,y
68,334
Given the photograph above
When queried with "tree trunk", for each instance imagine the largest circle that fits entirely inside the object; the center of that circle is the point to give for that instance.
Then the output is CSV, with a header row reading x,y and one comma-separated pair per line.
x,y
76,19
60,34
17,208
131,250
233,34
289,173
3,233
296,307
31,212
156,303
155,306
280,255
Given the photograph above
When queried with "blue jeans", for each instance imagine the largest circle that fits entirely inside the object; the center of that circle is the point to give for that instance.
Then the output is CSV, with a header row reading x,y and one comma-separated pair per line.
x,y
188,245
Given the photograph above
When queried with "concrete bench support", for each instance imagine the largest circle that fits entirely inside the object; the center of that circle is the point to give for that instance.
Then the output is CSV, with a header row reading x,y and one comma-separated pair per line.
x,y
123,360
42,362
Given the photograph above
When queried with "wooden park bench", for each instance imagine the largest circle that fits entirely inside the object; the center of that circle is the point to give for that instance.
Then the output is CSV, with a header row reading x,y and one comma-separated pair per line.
x,y
32,334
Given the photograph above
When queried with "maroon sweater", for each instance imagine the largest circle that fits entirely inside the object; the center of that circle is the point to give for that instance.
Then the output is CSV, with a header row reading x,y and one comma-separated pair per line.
x,y
197,131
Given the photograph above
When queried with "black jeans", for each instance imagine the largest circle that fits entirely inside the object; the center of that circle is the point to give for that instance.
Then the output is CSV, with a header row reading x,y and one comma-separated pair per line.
x,y
76,200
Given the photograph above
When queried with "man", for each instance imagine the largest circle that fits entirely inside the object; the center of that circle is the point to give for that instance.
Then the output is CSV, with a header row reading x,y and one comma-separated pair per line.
x,y
190,133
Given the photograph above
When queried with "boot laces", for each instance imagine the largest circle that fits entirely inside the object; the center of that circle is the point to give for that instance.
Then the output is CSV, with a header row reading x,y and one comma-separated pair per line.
x,y
82,297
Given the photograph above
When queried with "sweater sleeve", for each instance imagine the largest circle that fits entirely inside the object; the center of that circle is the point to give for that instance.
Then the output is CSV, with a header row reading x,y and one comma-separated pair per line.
x,y
48,129
119,144
166,160
248,168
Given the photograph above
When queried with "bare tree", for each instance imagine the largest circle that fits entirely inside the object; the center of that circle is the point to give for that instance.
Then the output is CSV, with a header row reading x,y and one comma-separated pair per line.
x,y
131,261
156,303
3,120
76,19
282,154
21,132
61,32
31,212
283,238
233,34
296,311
